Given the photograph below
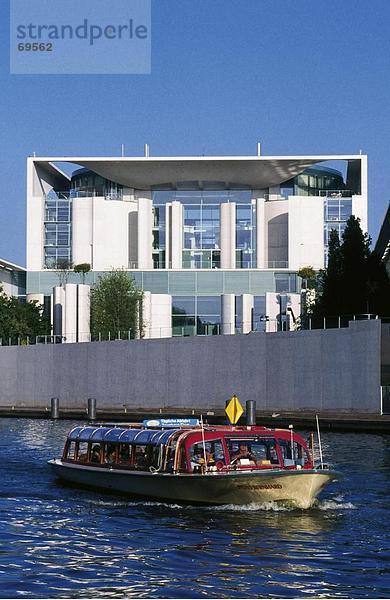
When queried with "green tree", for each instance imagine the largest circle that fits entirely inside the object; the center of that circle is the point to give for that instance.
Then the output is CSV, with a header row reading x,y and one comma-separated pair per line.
x,y
116,304
308,276
355,281
329,280
21,320
83,269
355,251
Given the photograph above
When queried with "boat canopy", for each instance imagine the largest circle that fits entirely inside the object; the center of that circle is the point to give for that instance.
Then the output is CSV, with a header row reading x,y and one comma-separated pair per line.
x,y
150,437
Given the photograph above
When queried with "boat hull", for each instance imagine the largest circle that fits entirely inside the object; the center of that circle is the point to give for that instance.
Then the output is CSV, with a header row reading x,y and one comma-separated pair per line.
x,y
299,488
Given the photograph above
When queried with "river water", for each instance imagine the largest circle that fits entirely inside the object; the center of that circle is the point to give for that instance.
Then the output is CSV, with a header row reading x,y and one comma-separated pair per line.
x,y
60,542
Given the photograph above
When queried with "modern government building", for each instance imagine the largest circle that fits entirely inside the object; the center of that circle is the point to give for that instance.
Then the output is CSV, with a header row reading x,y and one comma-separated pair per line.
x,y
214,242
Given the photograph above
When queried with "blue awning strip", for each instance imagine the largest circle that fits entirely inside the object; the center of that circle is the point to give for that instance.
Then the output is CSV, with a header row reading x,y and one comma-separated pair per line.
x,y
142,437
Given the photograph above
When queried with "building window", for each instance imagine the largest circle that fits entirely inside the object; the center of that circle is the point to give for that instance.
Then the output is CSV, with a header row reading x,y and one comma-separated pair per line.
x,y
336,214
196,315
58,230
245,236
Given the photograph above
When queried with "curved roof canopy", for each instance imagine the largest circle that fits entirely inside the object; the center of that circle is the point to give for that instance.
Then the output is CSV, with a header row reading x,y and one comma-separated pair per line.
x,y
125,435
259,172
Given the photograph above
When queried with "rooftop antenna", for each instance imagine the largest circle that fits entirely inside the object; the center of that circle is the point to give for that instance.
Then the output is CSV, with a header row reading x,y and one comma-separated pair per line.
x,y
258,148
360,151
146,150
122,149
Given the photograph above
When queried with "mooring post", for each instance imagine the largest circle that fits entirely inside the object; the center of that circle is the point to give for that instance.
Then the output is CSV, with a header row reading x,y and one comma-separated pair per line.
x,y
91,409
55,408
251,412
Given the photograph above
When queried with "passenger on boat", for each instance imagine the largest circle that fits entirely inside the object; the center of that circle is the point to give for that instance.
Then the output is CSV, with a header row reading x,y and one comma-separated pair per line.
x,y
243,452
95,454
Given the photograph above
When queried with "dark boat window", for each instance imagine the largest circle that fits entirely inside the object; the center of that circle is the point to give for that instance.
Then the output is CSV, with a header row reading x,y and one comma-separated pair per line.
x,y
140,458
124,454
302,456
110,454
285,447
95,453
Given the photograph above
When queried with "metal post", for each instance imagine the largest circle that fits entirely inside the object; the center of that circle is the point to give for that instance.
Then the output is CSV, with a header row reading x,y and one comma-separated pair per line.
x,y
55,408
251,412
324,322
91,409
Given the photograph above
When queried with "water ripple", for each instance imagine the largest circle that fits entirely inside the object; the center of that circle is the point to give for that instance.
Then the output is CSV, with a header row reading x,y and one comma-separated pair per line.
x,y
67,543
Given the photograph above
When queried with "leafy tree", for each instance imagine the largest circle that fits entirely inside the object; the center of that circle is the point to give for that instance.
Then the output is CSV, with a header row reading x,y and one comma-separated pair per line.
x,y
355,251
115,305
355,281
21,320
330,279
308,275
82,268
63,268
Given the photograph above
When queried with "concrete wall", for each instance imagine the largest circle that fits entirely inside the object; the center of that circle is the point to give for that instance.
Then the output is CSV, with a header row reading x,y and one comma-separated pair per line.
x,y
331,370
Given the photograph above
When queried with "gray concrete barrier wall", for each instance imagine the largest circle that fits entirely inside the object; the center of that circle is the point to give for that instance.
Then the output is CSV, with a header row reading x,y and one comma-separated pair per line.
x,y
324,370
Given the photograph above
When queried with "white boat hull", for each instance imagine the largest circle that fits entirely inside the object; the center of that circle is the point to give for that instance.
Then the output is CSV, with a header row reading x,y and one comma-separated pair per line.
x,y
299,488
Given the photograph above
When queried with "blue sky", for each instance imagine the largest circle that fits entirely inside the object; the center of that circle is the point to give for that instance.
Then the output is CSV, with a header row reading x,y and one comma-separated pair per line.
x,y
302,77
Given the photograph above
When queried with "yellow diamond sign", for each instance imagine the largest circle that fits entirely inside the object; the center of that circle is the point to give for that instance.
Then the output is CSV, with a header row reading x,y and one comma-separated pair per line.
x,y
234,410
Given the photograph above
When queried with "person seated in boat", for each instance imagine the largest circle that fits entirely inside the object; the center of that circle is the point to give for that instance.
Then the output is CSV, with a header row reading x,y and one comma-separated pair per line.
x,y
243,452
110,454
95,454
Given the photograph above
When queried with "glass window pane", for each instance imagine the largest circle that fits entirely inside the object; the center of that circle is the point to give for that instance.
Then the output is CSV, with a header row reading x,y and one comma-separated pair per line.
x,y
208,305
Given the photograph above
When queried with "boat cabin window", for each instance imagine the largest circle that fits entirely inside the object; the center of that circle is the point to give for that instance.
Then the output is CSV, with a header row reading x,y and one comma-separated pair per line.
x,y
71,453
124,454
110,453
259,452
298,456
82,452
95,453
213,451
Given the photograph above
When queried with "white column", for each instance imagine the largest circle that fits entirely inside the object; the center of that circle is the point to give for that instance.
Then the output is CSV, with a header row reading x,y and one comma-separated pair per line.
x,y
260,233
305,232
246,317
272,310
82,232
145,232
228,314
176,237
146,314
35,218
228,235
58,310
70,313
161,316
83,307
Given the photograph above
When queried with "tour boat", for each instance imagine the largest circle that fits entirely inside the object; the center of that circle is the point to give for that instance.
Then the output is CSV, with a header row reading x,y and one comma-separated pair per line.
x,y
194,464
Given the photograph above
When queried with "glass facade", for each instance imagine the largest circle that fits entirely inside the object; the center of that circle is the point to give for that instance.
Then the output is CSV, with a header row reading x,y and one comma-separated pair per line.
x,y
57,230
87,183
202,227
336,214
315,181
246,236
196,315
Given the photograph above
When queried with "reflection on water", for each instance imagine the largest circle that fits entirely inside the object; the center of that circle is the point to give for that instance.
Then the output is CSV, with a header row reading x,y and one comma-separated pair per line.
x,y
58,541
